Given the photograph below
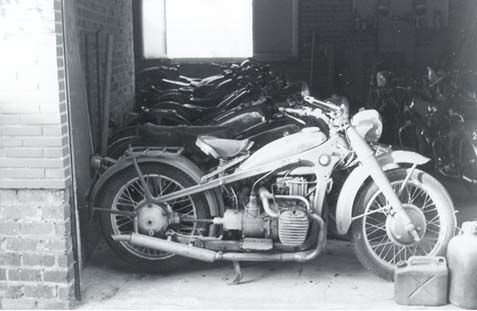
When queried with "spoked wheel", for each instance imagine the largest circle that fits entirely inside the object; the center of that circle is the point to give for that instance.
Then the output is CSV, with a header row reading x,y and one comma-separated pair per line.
x,y
381,240
125,193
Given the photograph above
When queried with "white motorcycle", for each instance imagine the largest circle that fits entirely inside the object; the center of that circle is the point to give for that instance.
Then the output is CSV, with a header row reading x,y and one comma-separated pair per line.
x,y
158,210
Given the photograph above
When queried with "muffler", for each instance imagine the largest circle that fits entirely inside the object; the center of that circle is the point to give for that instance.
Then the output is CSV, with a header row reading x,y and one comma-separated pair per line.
x,y
167,246
211,256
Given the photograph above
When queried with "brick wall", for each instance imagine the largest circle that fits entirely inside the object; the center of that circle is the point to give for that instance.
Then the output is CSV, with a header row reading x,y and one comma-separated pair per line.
x,y
35,175
33,133
36,264
107,16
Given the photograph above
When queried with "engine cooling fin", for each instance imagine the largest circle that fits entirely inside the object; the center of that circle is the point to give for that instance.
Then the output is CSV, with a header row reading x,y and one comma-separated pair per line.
x,y
293,227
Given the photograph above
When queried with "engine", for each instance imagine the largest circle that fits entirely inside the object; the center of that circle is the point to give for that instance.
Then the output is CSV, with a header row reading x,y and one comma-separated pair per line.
x,y
280,216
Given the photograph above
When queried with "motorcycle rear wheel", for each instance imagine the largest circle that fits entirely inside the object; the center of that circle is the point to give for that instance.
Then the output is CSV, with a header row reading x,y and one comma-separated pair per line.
x,y
376,247
123,192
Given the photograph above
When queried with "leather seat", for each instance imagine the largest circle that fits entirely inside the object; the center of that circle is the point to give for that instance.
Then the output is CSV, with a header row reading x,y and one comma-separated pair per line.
x,y
223,148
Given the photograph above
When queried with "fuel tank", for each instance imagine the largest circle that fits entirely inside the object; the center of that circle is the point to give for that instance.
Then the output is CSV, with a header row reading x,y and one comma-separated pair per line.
x,y
285,147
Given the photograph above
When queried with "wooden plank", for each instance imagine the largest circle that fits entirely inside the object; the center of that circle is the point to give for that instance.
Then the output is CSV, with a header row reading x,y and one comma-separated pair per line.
x,y
107,96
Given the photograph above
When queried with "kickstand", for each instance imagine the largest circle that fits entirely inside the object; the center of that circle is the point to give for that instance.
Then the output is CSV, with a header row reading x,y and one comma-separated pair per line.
x,y
238,274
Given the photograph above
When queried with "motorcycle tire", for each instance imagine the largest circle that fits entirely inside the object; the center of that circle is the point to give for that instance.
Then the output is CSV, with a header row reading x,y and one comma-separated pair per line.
x,y
141,259
117,148
428,191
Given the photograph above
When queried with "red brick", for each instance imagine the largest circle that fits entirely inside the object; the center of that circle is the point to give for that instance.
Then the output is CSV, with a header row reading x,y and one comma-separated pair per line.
x,y
39,291
58,276
24,275
22,244
65,261
66,292
10,259
36,229
10,291
9,229
56,212
56,245
63,228
20,212
42,260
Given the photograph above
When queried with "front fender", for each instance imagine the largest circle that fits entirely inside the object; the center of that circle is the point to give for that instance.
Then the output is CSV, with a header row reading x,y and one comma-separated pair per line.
x,y
349,191
214,198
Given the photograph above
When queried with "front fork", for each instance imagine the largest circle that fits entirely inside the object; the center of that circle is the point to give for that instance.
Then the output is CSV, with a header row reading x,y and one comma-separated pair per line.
x,y
366,157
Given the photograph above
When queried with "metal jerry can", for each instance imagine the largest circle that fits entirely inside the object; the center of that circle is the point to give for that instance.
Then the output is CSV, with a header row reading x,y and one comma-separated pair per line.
x,y
462,258
421,281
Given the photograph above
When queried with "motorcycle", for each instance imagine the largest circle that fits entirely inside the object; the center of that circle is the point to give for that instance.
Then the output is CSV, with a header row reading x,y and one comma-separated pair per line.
x,y
442,123
252,114
158,209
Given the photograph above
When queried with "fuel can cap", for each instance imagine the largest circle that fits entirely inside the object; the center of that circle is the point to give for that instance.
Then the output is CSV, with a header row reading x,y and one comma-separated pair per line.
x,y
469,227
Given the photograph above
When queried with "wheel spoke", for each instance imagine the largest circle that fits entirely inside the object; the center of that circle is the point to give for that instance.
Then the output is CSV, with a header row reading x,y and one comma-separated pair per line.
x,y
164,189
396,255
138,188
179,210
132,194
381,244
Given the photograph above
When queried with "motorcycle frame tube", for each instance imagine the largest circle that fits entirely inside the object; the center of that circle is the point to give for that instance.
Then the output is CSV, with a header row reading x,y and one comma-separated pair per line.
x,y
306,159
354,181
211,256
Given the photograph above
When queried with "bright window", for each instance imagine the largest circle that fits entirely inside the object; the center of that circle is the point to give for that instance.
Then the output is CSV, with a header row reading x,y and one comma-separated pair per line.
x,y
197,28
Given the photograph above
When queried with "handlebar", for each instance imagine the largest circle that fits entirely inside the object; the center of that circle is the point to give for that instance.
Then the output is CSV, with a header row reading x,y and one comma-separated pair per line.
x,y
316,113
321,104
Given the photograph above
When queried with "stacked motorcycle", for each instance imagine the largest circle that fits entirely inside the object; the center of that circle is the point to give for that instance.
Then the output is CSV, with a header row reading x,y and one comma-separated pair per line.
x,y
434,114
265,197
241,102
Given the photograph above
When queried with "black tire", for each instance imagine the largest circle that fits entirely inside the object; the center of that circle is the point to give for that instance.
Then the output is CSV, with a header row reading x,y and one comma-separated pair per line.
x,y
443,207
117,148
140,262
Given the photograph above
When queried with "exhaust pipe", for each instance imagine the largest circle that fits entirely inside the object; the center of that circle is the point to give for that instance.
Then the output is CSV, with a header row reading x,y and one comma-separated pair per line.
x,y
211,256
167,246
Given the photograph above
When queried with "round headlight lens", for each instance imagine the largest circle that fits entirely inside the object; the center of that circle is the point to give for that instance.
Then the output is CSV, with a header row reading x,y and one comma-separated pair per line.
x,y
369,125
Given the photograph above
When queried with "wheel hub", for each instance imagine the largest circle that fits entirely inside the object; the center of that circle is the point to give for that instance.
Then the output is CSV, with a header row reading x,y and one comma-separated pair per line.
x,y
152,219
397,230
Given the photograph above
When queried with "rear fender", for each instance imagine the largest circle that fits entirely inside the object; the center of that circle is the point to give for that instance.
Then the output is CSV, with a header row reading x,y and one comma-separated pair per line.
x,y
349,191
214,198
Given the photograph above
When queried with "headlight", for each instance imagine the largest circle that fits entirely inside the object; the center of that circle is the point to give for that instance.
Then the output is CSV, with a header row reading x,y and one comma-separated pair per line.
x,y
369,125
382,78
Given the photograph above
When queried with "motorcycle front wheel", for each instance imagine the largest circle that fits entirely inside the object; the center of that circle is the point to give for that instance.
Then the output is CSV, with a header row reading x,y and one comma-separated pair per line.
x,y
377,245
125,192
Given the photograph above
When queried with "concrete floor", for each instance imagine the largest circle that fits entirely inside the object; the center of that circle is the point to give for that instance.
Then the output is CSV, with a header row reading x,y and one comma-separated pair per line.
x,y
335,280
